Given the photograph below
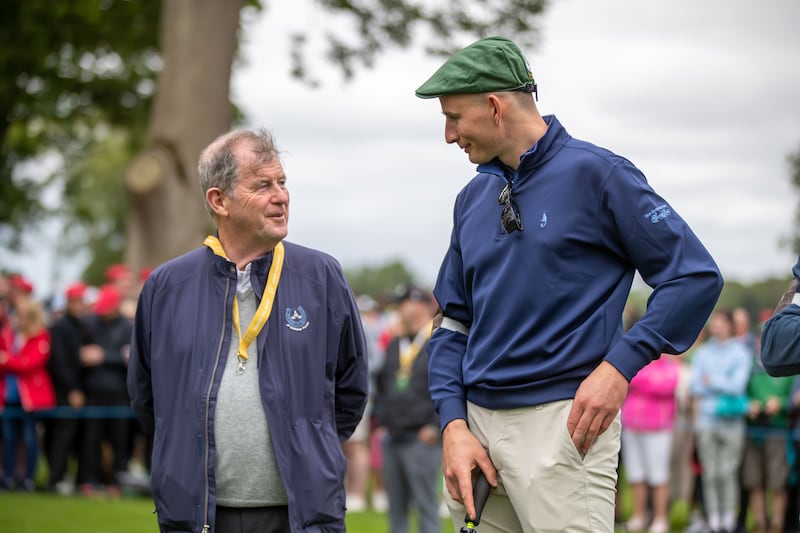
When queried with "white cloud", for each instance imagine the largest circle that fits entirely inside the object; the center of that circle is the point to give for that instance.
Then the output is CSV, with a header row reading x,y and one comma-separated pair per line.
x,y
702,96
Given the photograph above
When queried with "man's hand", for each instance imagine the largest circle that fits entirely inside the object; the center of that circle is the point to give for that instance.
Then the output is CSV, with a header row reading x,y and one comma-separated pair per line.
x,y
773,406
92,355
428,434
76,398
754,409
596,403
461,453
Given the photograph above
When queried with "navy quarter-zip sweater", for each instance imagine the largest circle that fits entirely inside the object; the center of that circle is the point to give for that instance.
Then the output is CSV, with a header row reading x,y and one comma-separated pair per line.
x,y
544,305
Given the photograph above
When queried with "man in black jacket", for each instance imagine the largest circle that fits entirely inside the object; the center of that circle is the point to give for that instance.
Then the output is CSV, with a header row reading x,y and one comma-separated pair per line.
x,y
105,367
67,335
412,453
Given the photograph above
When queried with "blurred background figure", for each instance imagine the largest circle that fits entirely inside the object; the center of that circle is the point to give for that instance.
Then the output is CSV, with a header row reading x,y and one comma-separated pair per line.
x,y
648,417
357,447
743,333
105,363
20,288
765,467
122,278
685,484
720,370
5,311
412,453
68,334
24,383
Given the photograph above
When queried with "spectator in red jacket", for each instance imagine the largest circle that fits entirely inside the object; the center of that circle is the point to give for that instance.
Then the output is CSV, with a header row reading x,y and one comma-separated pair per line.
x,y
24,383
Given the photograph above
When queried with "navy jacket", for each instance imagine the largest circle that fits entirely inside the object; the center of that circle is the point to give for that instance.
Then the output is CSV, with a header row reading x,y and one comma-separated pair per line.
x,y
780,338
313,379
543,307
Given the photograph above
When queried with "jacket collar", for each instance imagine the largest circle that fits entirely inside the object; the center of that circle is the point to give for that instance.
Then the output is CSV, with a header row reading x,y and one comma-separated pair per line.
x,y
259,270
553,140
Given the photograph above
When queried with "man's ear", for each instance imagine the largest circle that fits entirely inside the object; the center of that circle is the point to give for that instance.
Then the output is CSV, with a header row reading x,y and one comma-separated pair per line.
x,y
216,200
497,107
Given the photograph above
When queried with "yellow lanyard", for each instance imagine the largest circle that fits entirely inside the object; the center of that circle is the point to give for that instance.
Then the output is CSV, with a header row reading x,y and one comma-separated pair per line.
x,y
409,355
264,308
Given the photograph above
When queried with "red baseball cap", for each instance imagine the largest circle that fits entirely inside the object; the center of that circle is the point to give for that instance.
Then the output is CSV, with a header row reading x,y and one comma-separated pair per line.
x,y
108,299
20,282
144,273
76,291
117,272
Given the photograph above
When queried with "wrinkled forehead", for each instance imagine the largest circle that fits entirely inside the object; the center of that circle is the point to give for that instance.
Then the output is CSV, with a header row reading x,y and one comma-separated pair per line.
x,y
252,159
257,168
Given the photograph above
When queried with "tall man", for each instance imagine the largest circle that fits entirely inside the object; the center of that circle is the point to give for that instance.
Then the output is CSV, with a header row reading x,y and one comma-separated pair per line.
x,y
529,365
248,361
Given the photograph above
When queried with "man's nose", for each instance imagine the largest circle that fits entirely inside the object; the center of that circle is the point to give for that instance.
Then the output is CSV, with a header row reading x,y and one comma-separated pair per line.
x,y
450,135
282,197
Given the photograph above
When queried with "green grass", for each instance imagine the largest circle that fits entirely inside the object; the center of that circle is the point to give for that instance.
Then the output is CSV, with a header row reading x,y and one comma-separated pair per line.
x,y
39,512
34,513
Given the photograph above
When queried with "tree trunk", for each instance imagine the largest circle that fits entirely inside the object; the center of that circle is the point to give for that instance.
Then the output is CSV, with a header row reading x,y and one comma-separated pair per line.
x,y
191,107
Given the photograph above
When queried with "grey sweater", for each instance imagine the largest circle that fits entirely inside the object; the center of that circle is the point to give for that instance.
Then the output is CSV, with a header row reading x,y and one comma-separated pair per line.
x,y
246,470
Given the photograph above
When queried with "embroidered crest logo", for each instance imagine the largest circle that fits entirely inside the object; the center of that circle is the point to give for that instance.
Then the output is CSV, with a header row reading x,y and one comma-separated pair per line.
x,y
543,222
296,319
658,214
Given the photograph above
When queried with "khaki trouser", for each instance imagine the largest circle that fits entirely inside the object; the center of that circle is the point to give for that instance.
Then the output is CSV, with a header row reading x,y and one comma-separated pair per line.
x,y
544,484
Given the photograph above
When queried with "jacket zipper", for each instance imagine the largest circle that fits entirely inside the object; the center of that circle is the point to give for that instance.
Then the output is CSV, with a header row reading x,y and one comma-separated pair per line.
x,y
206,526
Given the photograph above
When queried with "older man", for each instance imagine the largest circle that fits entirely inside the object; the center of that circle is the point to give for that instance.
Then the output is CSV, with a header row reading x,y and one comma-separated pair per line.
x,y
248,362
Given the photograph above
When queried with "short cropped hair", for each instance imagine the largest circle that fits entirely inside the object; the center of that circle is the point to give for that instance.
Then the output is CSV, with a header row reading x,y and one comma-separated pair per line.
x,y
218,166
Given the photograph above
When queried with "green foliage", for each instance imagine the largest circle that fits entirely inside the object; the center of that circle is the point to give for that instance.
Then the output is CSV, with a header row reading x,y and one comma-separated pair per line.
x,y
378,281
754,297
78,71
95,202
71,69
369,28
794,178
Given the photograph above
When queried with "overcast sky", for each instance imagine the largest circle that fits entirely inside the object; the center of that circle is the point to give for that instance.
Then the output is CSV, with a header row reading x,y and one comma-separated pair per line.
x,y
702,95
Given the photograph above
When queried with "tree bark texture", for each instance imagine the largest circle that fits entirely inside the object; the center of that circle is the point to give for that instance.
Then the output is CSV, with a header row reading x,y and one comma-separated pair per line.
x,y
191,107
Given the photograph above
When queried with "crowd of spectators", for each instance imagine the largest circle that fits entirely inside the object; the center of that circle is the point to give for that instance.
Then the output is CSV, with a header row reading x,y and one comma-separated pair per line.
x,y
62,386
709,428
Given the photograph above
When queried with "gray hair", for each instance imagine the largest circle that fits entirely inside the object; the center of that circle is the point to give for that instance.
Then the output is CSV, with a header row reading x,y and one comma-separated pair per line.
x,y
218,166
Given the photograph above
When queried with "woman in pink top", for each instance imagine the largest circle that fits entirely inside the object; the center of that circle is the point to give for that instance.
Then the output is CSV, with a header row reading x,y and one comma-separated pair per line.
x,y
648,416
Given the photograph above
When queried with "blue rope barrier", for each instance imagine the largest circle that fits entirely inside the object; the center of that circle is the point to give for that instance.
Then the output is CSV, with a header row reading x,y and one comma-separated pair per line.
x,y
90,411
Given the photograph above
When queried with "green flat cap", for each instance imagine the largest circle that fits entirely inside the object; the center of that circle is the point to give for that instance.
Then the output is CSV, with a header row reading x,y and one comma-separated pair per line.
x,y
492,64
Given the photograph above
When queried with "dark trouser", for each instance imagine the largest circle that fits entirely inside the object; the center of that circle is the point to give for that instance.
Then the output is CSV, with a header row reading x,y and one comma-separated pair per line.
x,y
62,436
116,431
252,519
411,473
23,428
